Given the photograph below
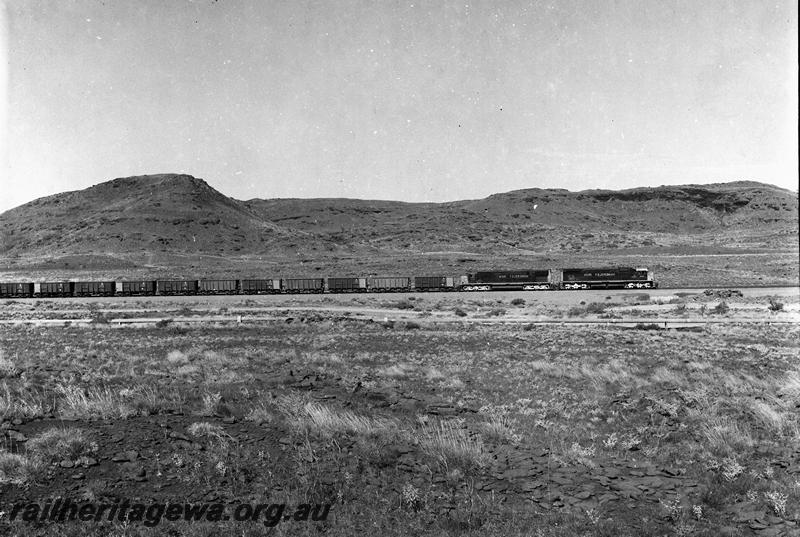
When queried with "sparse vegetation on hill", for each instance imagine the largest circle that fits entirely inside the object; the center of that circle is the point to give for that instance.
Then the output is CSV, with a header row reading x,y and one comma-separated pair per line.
x,y
180,221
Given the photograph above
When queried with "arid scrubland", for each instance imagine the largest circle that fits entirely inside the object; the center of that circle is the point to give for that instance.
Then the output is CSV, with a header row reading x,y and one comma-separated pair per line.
x,y
405,427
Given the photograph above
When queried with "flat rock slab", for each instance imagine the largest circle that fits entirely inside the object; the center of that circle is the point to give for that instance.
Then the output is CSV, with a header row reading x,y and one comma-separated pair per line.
x,y
126,456
521,473
562,479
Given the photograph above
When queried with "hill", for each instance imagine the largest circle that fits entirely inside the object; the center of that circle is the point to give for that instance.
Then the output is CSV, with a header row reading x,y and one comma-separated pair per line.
x,y
179,221
537,220
146,214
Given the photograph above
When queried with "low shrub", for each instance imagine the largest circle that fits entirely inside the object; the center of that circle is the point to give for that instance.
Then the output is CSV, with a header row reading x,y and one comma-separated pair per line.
x,y
7,367
202,429
647,326
99,317
596,307
774,305
721,308
261,413
576,311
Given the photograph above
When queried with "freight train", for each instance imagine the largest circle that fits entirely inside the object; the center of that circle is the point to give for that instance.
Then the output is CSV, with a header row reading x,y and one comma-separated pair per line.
x,y
499,280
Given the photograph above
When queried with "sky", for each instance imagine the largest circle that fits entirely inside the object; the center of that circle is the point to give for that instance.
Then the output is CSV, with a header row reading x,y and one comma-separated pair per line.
x,y
404,100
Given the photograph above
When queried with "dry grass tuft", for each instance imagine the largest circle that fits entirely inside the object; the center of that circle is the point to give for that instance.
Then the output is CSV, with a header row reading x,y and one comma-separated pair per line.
x,y
23,404
149,400
450,444
211,402
16,469
552,369
261,413
616,371
499,426
176,357
577,454
766,415
59,444
93,402
106,403
789,386
328,422
433,374
204,429
396,371
187,370
291,405
7,367
726,436
310,417
453,383
662,375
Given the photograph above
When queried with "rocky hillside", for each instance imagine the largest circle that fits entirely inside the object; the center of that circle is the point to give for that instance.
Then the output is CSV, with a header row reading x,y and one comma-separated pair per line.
x,y
154,213
179,214
536,220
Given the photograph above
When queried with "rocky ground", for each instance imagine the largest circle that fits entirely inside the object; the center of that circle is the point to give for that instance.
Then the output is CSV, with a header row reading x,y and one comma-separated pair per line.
x,y
604,306
413,426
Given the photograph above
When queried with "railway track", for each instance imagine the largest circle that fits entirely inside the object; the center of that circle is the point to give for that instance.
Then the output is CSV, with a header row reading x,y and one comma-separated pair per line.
x,y
392,317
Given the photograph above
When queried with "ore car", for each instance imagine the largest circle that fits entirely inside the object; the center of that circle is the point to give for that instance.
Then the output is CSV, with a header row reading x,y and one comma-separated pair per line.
x,y
52,289
388,284
136,288
303,285
93,288
176,287
260,287
218,287
16,290
347,285
433,283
